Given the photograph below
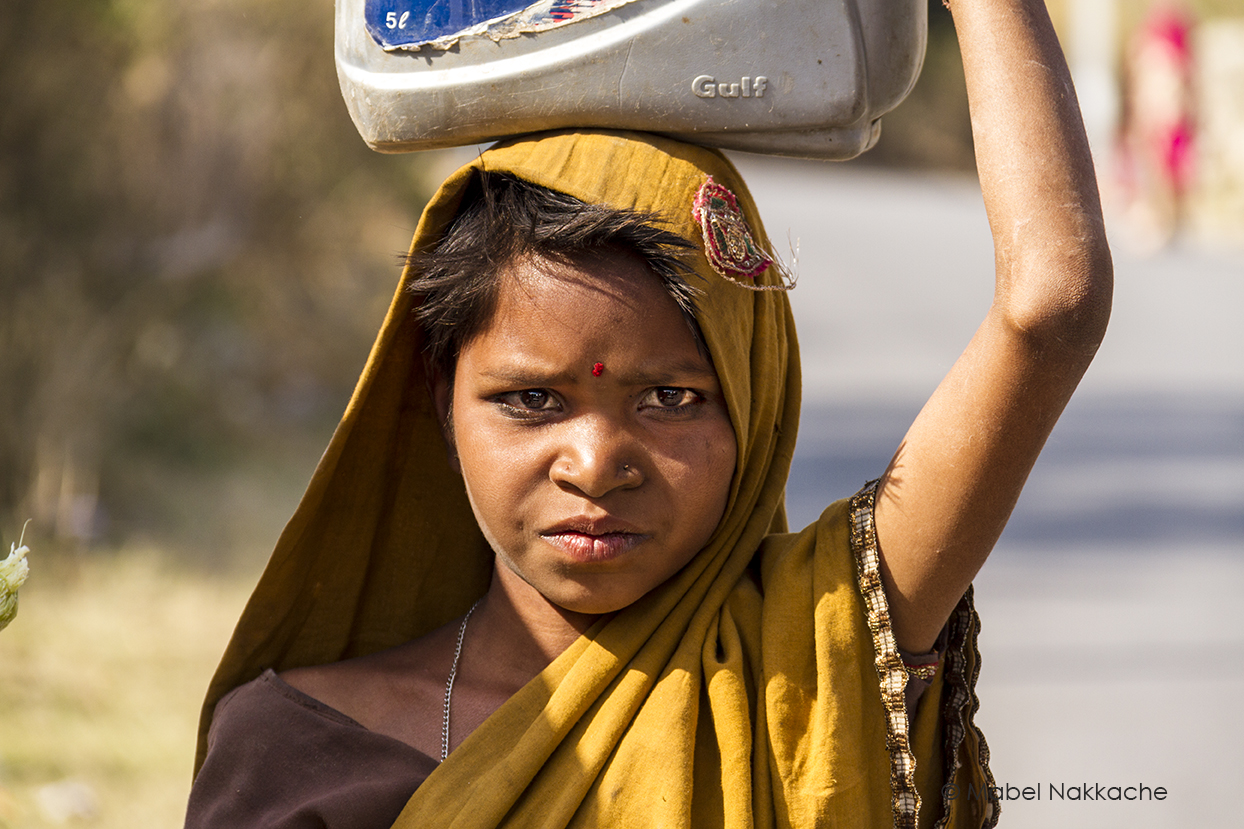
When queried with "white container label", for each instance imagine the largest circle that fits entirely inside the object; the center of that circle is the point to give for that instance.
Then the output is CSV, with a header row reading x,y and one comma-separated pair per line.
x,y
440,24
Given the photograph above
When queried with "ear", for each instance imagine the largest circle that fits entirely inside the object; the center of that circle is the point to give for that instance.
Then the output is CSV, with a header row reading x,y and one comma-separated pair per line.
x,y
443,402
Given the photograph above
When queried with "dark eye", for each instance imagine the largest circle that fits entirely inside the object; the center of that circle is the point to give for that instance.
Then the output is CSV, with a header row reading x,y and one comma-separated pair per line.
x,y
670,397
533,399
528,404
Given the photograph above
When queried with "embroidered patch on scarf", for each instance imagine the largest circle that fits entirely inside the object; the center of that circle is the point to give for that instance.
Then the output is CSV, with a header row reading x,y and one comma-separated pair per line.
x,y
728,240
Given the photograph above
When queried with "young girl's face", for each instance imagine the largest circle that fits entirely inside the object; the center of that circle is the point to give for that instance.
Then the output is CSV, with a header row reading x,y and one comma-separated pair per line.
x,y
591,432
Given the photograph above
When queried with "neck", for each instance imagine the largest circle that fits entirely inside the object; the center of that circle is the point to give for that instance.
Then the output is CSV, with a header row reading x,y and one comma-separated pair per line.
x,y
521,631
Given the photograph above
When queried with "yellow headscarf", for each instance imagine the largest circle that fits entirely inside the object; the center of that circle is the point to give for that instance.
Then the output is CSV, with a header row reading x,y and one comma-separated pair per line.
x,y
740,693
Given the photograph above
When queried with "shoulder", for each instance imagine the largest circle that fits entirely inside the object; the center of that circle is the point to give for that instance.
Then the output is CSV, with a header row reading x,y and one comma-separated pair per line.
x,y
270,703
824,550
266,721
397,692
280,758
329,686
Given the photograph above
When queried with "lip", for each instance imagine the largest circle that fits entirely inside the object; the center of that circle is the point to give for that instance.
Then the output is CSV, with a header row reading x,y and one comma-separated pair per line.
x,y
585,547
587,539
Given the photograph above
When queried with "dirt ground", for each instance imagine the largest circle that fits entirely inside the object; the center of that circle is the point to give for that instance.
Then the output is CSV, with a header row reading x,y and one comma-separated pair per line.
x,y
99,680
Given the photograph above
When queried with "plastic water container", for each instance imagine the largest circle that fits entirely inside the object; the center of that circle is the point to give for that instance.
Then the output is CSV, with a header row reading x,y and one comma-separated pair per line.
x,y
806,78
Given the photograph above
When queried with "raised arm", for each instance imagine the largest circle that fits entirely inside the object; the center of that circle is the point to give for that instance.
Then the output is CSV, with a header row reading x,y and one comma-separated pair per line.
x,y
957,474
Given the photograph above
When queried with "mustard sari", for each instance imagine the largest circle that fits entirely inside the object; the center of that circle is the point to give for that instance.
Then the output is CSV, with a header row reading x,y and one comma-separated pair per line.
x,y
759,687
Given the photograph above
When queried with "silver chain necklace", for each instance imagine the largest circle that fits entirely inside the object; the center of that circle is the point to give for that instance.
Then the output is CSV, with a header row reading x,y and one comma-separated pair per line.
x,y
449,683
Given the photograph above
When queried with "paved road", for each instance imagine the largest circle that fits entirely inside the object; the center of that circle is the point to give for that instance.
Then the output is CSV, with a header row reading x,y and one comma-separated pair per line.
x,y
1112,618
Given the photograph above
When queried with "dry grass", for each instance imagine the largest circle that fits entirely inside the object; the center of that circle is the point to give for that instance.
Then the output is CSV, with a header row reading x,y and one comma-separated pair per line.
x,y
101,677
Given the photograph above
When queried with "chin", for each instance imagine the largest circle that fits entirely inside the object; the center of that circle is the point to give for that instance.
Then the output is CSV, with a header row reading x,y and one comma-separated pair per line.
x,y
591,605
584,594
589,602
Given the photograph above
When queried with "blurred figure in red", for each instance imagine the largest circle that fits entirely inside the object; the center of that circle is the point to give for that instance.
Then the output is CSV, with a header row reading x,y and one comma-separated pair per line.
x,y
1158,125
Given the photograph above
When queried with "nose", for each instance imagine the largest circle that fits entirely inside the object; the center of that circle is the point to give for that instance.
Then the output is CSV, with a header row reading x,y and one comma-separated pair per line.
x,y
597,457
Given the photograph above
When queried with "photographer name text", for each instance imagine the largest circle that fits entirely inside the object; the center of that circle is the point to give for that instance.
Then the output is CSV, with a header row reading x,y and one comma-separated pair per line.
x,y
1056,792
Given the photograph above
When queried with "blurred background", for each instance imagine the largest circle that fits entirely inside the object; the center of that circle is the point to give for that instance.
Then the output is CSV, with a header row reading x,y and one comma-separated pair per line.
x,y
196,250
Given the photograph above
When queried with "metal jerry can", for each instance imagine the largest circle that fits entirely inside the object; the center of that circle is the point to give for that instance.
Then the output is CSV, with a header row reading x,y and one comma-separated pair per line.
x,y
807,78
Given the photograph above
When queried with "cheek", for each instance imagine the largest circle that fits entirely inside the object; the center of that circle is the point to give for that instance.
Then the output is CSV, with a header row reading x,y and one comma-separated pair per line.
x,y
724,445
473,455
727,461
498,471
491,488
483,464
714,475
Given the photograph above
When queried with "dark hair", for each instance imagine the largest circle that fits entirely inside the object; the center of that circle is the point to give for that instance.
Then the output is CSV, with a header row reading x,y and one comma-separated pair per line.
x,y
503,218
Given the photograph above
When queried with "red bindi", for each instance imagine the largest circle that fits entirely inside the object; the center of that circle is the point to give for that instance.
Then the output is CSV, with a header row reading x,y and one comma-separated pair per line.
x,y
598,369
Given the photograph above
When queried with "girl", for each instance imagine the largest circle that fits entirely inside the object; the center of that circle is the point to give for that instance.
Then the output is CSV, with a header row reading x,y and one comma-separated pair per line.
x,y
542,574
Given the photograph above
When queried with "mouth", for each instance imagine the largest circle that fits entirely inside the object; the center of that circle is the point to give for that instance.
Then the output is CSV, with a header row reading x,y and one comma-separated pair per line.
x,y
588,540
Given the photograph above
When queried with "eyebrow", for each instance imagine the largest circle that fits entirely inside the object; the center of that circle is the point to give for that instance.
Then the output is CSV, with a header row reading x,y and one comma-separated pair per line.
x,y
668,374
519,376
673,374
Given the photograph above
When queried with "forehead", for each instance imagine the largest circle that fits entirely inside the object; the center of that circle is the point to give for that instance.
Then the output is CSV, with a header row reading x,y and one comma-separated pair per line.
x,y
609,281
606,303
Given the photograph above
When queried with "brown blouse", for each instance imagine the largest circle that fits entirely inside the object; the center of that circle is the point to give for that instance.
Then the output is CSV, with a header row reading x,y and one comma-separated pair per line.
x,y
279,759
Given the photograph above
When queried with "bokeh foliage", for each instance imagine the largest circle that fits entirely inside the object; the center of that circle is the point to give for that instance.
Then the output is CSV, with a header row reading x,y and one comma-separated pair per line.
x,y
195,251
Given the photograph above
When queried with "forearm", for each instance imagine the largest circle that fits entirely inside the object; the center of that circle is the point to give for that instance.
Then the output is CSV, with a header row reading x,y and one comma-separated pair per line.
x,y
1036,173
958,474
